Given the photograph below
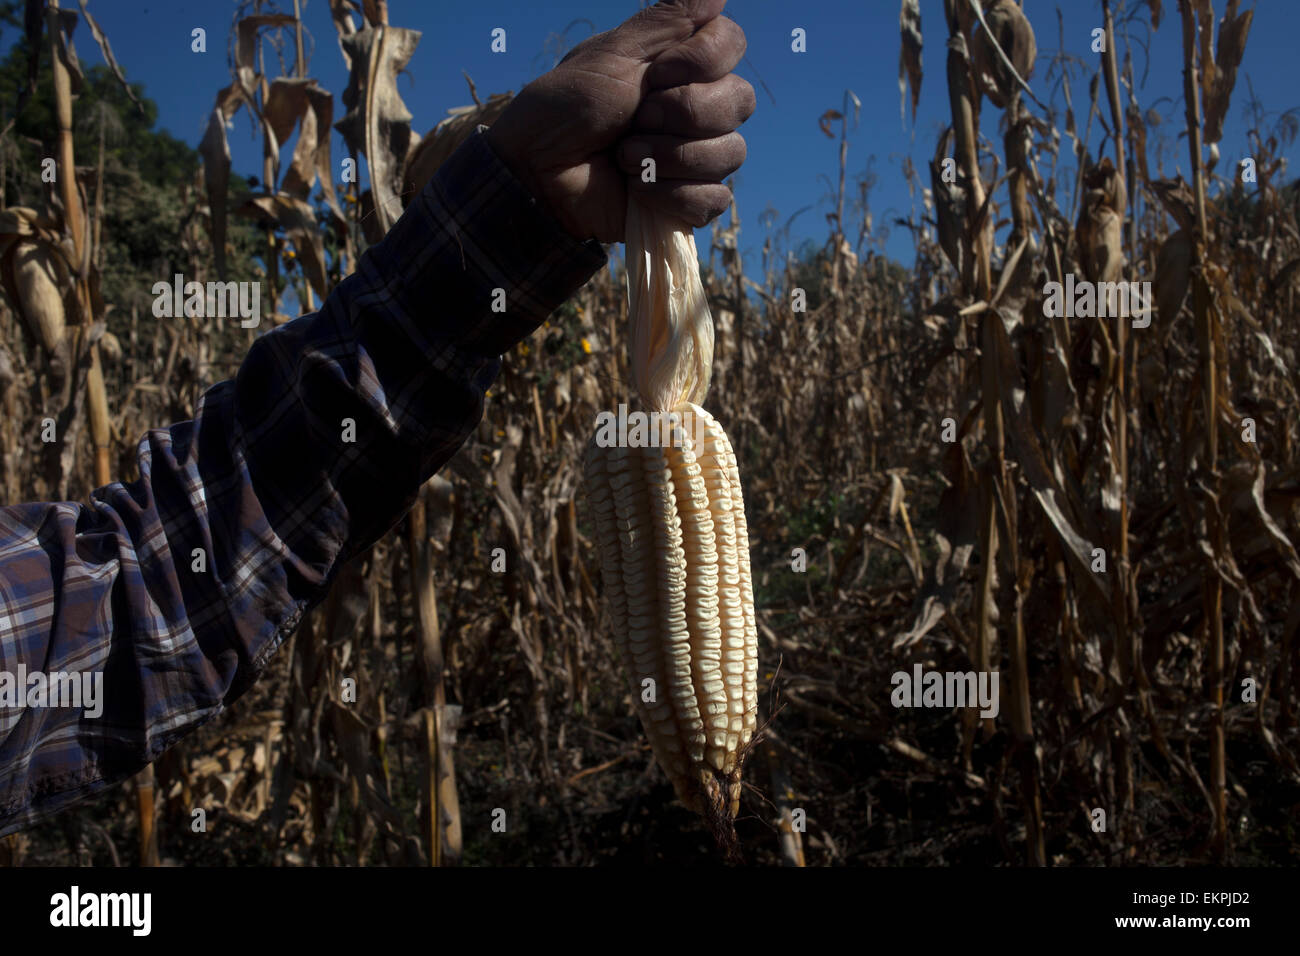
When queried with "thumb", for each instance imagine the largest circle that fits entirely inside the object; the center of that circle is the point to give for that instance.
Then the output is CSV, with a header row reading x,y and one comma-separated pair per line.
x,y
661,27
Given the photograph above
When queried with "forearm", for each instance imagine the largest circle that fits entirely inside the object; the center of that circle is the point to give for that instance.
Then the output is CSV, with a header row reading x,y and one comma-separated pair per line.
x,y
178,587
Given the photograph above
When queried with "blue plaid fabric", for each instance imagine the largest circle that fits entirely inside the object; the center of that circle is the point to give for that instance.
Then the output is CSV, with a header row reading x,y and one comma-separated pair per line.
x,y
264,483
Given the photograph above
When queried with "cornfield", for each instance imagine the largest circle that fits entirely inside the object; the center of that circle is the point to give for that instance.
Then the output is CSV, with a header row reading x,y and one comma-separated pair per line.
x,y
943,470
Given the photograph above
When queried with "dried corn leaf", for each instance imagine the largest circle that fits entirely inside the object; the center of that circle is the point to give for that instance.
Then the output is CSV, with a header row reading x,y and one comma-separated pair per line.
x,y
909,55
215,151
949,200
1058,401
1232,48
298,220
1173,276
311,154
1176,196
1247,480
302,104
246,32
955,535
1138,127
283,108
825,120
341,12
1029,453
370,227
107,52
377,124
1267,345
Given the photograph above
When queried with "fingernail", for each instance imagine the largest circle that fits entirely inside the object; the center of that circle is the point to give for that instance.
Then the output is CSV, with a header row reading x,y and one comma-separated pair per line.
x,y
652,115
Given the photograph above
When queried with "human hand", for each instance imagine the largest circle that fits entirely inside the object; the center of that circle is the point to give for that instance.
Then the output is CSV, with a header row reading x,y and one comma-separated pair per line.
x,y
660,86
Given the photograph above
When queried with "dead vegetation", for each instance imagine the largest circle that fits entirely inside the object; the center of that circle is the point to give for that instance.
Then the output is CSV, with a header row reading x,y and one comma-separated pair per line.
x,y
1103,511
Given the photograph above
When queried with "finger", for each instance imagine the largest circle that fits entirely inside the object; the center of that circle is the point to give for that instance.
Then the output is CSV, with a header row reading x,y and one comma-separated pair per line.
x,y
661,27
699,110
709,54
676,157
696,203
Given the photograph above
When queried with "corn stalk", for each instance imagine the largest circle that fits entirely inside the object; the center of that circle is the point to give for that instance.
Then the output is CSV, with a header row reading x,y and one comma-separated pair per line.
x,y
1212,585
441,827
97,396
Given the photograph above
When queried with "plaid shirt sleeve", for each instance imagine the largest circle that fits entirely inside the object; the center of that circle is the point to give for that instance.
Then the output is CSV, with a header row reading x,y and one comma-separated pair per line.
x,y
264,482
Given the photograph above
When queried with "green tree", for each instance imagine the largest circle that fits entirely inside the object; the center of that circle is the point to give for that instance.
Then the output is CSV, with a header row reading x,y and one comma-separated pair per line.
x,y
151,179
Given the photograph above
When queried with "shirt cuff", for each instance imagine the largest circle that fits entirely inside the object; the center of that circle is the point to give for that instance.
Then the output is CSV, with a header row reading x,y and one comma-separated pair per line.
x,y
518,264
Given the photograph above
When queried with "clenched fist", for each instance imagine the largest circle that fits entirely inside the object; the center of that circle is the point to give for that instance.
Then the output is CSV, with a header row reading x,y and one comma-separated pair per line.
x,y
659,86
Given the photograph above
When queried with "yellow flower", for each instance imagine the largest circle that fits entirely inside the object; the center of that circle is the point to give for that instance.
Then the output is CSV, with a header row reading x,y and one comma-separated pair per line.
x,y
769,676
586,346
581,310
289,253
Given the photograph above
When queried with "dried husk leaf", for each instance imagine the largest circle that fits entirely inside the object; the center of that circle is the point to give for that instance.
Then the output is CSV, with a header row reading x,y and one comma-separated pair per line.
x,y
1010,28
110,348
40,276
671,329
25,221
445,138
1233,30
949,200
1101,221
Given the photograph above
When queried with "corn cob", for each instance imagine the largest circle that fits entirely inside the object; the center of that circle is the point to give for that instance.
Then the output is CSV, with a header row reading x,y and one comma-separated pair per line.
x,y
673,540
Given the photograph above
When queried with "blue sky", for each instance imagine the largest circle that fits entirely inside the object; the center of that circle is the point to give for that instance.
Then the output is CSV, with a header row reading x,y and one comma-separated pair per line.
x,y
852,44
